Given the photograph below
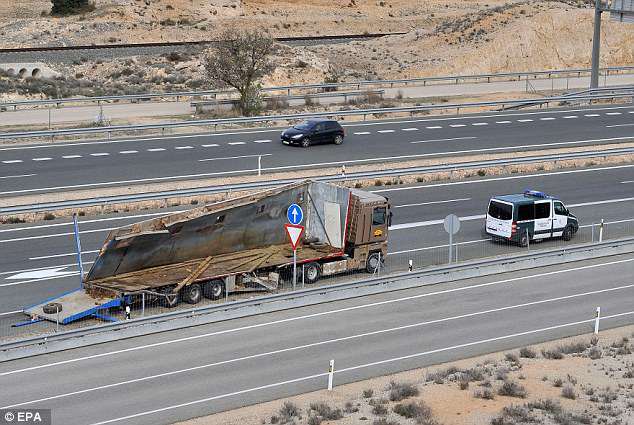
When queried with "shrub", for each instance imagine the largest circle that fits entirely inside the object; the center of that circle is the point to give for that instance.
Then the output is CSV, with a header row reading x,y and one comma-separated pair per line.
x,y
514,414
512,357
464,385
573,348
14,220
379,410
558,383
512,389
548,405
402,390
383,421
419,411
68,7
349,407
49,216
595,353
315,420
482,173
326,412
289,410
368,393
484,393
552,354
568,392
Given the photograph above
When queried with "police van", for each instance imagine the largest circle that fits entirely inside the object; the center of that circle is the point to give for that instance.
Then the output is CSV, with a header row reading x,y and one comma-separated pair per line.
x,y
531,215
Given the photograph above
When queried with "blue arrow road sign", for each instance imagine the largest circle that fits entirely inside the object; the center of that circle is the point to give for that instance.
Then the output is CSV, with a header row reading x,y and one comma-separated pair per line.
x,y
295,214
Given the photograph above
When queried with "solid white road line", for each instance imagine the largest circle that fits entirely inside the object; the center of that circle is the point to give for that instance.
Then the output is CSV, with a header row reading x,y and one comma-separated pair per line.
x,y
428,248
127,152
494,179
444,140
323,342
291,167
41,159
63,255
314,315
30,238
362,366
10,312
17,176
619,125
59,266
432,203
22,282
71,156
234,157
12,161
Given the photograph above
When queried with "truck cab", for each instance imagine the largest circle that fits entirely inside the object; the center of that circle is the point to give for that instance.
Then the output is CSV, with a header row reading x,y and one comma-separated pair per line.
x,y
532,215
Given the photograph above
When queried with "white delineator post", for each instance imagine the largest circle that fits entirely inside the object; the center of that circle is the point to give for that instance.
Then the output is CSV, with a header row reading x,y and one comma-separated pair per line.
x,y
410,265
596,321
601,231
259,165
331,374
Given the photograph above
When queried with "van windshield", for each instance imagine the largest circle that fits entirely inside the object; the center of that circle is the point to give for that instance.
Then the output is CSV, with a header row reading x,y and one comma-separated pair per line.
x,y
500,211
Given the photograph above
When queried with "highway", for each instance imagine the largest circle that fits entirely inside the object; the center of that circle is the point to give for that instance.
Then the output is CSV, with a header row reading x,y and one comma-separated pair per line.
x,y
177,375
38,259
50,167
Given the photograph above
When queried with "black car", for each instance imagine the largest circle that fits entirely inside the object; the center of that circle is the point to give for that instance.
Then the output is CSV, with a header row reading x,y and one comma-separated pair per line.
x,y
313,132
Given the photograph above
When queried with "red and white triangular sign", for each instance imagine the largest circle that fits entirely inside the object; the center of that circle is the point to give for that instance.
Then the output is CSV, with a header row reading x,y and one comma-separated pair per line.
x,y
294,233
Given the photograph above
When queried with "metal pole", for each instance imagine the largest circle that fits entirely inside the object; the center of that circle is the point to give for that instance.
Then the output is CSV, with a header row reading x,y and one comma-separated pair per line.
x,y
78,247
57,319
528,240
143,304
303,274
596,45
596,321
294,269
592,232
450,240
331,374
49,117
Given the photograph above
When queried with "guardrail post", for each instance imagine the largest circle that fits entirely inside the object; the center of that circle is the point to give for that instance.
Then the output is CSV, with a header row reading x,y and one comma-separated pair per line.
x,y
597,320
592,232
331,374
601,231
143,304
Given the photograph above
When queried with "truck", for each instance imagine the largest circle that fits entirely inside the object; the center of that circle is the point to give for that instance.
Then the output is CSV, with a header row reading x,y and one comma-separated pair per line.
x,y
228,247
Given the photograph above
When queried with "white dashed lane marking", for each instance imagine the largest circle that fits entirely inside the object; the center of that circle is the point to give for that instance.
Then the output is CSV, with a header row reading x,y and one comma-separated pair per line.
x,y
212,145
547,119
410,129
127,152
569,117
385,131
591,115
183,147
42,159
525,120
71,156
613,113
479,123
457,125
12,161
503,122
361,133
260,141
236,143
100,154
434,127
156,150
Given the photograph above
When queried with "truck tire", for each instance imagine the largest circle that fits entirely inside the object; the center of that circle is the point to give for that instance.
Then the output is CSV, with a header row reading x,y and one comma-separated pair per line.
x,y
214,290
192,294
372,262
52,308
312,273
171,300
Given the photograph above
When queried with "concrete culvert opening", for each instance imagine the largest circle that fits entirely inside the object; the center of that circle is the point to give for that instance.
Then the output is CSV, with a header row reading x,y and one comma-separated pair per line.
x,y
22,72
36,73
11,72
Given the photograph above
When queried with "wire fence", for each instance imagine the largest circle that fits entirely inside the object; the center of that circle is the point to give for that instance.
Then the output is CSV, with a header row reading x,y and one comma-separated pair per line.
x,y
18,325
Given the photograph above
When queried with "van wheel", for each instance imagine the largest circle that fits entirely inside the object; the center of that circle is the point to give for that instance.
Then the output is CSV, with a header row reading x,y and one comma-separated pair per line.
x,y
305,142
192,294
171,300
524,240
214,290
312,273
338,139
373,262
567,233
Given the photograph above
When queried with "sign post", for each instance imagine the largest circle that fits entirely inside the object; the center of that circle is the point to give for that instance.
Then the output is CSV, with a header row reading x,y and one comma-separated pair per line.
x,y
80,264
295,216
452,225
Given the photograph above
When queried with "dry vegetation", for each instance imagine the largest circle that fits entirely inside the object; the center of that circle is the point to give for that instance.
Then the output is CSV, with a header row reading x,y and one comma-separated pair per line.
x,y
442,37
591,382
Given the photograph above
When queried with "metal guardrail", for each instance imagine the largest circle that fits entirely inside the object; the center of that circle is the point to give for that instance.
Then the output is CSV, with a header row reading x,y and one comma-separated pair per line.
x,y
290,117
453,79
298,294
51,206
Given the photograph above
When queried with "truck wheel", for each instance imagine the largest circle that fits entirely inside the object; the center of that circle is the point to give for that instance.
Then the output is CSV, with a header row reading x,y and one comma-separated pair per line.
x,y
567,233
312,273
373,262
171,300
192,294
214,290
52,308
305,142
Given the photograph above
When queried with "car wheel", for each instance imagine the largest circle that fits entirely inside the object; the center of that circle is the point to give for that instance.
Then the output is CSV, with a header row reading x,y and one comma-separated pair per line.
x,y
305,142
192,294
567,234
338,139
214,290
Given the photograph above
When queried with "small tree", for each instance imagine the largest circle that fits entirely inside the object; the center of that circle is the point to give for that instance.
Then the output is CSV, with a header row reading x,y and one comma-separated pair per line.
x,y
67,7
240,60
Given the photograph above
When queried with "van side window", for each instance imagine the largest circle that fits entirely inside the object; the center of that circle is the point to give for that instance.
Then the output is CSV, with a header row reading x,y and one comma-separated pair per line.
x,y
542,210
560,209
526,212
378,216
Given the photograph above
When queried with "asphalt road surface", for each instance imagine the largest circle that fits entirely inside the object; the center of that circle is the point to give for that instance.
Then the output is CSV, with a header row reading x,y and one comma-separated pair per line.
x,y
177,375
40,169
38,260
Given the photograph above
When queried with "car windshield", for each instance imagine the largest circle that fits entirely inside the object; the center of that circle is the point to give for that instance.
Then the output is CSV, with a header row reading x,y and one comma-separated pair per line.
x,y
500,211
306,125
